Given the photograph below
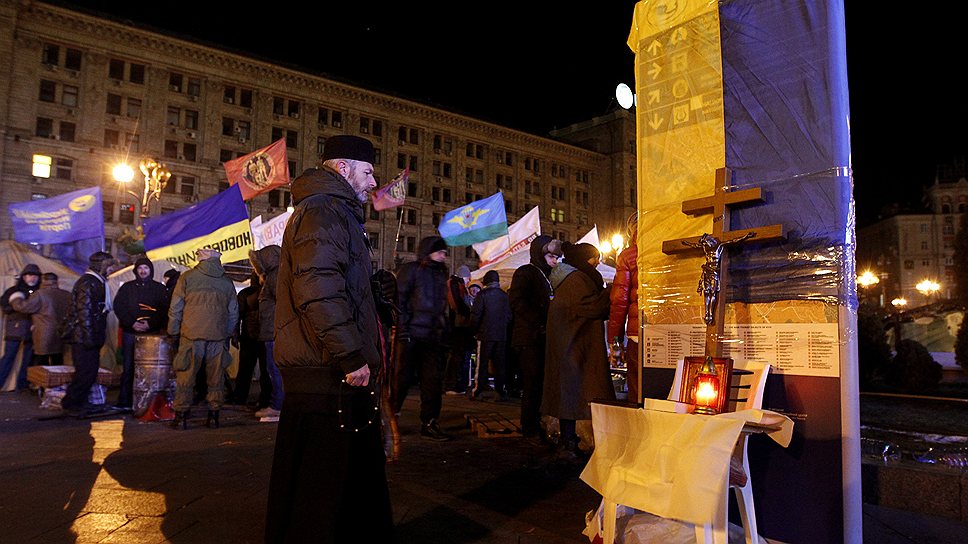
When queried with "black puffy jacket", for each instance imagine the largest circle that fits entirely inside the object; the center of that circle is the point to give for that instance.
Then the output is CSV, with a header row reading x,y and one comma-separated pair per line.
x,y
424,310
16,324
530,295
87,318
145,300
325,313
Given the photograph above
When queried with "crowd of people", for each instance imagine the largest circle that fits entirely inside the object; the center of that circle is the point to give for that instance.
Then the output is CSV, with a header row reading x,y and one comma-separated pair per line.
x,y
336,343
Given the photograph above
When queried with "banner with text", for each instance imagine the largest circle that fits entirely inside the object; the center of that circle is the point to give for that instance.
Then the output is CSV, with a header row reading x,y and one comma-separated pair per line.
x,y
65,218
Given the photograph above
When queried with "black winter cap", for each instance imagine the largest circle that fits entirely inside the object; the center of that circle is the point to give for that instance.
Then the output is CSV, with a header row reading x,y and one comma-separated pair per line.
x,y
348,147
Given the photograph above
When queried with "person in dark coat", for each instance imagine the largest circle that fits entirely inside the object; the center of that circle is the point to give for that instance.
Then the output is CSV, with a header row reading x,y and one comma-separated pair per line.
x,y
328,482
47,307
171,278
530,294
251,351
423,332
87,323
491,316
142,308
265,262
623,317
462,337
16,329
576,370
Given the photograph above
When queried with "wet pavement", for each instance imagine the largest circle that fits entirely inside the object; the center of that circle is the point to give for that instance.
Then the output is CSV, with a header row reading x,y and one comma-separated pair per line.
x,y
116,479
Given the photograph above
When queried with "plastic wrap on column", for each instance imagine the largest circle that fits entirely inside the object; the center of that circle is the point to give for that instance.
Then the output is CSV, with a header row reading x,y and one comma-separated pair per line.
x,y
152,370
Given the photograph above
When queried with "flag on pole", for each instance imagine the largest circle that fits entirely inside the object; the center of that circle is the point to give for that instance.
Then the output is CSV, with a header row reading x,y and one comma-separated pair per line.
x,y
392,194
520,234
478,221
260,171
220,222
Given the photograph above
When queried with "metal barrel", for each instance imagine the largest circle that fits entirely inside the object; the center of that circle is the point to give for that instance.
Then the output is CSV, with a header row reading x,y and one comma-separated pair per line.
x,y
153,372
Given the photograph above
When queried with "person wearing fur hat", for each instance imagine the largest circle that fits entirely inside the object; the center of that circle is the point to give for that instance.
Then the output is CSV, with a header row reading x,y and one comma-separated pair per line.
x,y
577,369
87,323
423,331
530,294
16,329
491,316
141,306
328,481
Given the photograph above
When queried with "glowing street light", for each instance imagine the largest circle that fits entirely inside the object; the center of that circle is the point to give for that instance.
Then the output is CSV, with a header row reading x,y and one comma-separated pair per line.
x,y
617,242
928,287
605,247
867,279
899,302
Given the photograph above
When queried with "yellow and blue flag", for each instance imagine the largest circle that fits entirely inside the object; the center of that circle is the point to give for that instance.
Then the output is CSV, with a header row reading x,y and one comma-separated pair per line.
x,y
479,221
220,222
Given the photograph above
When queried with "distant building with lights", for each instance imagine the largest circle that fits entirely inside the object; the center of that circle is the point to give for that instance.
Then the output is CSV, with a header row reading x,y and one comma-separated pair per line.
x,y
905,249
90,92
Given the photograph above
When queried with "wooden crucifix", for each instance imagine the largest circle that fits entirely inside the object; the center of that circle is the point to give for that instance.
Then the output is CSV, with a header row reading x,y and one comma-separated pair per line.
x,y
715,270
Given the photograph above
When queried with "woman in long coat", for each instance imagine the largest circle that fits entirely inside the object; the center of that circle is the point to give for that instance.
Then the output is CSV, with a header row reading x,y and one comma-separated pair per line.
x,y
576,362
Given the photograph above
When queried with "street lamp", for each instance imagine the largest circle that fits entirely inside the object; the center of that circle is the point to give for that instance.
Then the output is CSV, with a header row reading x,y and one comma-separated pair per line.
x,y
867,279
156,176
927,288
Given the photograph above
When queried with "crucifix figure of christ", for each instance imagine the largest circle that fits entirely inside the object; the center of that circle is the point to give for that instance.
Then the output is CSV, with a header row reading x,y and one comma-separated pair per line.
x,y
715,269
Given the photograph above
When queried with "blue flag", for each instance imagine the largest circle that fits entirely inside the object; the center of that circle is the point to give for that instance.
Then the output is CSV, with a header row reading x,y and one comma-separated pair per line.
x,y
220,222
479,221
61,219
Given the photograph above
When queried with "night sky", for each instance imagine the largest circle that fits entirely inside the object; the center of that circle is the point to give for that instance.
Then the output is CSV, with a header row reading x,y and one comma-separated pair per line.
x,y
536,65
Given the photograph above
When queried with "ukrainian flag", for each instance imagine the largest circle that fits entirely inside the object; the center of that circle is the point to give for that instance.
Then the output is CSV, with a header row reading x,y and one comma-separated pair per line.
x,y
479,221
220,222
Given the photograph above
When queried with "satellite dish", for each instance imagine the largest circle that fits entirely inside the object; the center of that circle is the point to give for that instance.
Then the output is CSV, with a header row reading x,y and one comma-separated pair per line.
x,y
624,96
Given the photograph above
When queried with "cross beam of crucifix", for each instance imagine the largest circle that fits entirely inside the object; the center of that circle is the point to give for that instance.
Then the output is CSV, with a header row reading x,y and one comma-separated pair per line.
x,y
715,269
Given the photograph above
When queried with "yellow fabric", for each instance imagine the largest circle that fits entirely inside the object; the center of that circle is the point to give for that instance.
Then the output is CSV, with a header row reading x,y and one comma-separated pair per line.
x,y
680,142
232,241
672,465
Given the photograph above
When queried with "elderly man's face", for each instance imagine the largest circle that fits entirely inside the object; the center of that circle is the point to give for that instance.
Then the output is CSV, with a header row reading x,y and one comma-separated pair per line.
x,y
31,279
359,174
143,271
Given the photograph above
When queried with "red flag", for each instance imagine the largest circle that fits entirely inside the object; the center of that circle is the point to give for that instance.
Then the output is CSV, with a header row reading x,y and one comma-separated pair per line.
x,y
392,194
260,171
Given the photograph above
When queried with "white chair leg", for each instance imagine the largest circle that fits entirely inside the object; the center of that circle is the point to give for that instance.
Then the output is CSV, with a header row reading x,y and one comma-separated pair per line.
x,y
608,523
716,532
744,499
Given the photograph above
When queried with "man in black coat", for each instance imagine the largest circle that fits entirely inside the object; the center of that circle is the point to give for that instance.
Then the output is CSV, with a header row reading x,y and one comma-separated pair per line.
x,y
530,295
142,308
328,482
16,329
491,316
87,323
423,332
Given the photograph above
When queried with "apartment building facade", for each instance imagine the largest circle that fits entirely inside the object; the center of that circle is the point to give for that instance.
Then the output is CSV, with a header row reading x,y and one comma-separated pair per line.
x,y
90,93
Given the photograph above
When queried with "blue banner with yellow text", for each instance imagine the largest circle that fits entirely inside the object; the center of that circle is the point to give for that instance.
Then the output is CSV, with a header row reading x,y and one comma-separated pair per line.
x,y
479,221
65,218
220,222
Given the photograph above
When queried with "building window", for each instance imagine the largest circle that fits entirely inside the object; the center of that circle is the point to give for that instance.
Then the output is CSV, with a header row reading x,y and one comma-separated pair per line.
x,y
126,213
111,138
188,186
175,82
276,134
278,105
337,119
108,208
364,125
228,126
320,145
228,95
72,60
374,239
292,139
189,152
194,87
171,149
134,107
409,215
69,95
377,128
67,131
63,168
113,104
48,91
245,98
292,109
322,118
136,73
116,69
225,155
412,189
173,117
50,54
45,127
191,119
244,129
447,195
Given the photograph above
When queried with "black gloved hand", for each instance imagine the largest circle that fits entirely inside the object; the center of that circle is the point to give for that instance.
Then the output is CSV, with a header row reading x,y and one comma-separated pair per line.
x,y
384,286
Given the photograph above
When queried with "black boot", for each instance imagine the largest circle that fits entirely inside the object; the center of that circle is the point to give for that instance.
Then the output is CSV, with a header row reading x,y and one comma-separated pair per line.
x,y
181,420
212,420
